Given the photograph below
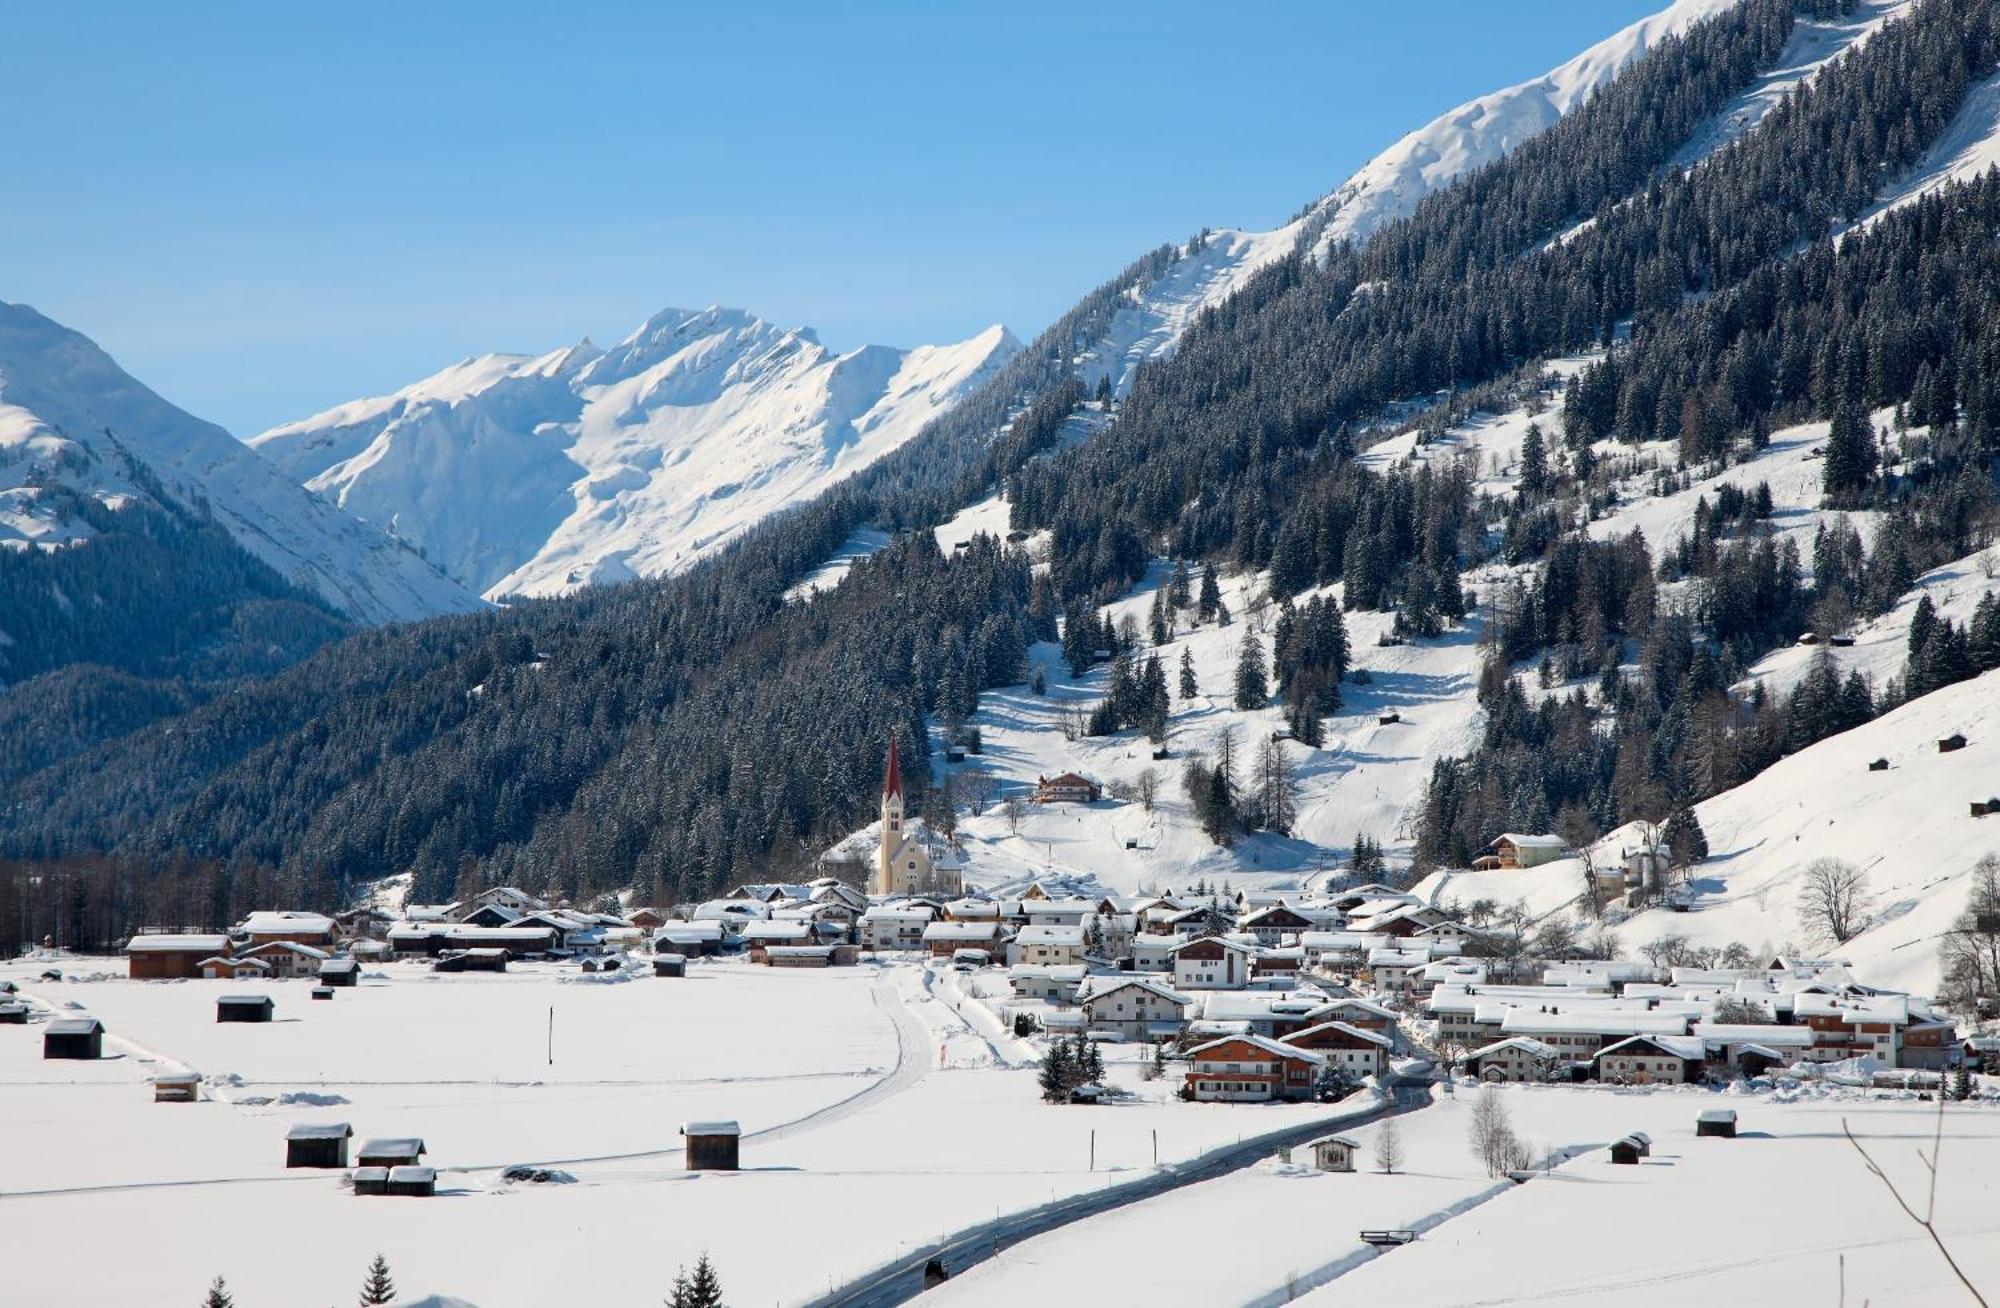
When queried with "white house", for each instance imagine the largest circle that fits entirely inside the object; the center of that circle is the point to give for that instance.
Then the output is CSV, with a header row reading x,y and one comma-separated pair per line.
x,y
1211,963
1134,1007
1049,946
1046,984
1154,953
1518,1058
1348,1049
894,928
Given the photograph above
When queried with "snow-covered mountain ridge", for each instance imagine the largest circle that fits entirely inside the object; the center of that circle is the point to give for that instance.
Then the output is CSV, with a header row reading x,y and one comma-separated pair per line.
x,y
532,475
71,418
1470,136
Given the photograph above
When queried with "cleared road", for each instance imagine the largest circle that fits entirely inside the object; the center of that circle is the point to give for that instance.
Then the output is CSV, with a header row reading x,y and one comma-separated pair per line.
x,y
903,1280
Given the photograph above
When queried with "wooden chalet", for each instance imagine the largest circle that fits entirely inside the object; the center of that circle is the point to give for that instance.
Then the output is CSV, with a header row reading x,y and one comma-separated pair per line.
x,y
1251,1069
1067,788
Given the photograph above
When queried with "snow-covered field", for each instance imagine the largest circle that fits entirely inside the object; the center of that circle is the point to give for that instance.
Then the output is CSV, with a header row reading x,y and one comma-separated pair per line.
x,y
857,1146
1784,1213
1789,1186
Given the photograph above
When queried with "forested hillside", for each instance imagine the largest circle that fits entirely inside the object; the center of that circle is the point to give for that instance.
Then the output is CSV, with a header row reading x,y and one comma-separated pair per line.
x,y
683,735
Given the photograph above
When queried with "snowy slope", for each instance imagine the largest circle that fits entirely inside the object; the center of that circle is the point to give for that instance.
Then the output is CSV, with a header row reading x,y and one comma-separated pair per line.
x,y
71,416
1968,147
1908,828
1812,44
1151,322
1480,131
534,475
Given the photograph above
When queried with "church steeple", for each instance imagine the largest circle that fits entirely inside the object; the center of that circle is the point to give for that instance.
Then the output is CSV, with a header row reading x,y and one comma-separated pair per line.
x,y
892,777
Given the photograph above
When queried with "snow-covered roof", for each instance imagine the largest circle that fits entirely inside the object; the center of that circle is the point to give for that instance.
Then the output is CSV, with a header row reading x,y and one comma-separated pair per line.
x,y
1097,987
689,931
319,1131
1688,1047
714,1126
1050,936
1776,1037
285,920
777,931
1609,1022
176,944
1274,1047
285,947
961,931
1369,1037
1526,1044
1521,841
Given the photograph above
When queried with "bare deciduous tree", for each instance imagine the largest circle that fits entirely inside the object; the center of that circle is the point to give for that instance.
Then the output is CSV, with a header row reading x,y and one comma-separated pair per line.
x,y
1928,1222
979,786
1834,900
1389,1147
1494,1143
1014,810
1149,788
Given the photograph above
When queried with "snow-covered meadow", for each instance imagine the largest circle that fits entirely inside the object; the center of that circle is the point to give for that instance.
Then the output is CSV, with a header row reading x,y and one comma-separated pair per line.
x,y
876,1119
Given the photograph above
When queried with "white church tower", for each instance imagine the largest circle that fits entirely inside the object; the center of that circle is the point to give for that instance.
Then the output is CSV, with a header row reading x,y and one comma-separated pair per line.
x,y
902,864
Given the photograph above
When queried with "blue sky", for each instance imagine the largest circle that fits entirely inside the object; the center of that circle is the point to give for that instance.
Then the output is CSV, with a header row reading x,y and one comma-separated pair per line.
x,y
263,211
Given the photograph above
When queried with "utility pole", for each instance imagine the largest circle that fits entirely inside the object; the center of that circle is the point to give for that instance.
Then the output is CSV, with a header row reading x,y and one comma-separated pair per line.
x,y
1093,1150
552,1035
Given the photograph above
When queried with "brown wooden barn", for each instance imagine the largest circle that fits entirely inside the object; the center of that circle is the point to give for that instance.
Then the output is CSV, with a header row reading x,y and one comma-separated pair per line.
x,y
317,1144
391,1151
165,957
711,1146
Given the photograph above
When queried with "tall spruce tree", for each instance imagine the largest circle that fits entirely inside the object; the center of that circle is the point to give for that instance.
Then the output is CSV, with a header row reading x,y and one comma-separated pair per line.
x,y
1251,687
378,1287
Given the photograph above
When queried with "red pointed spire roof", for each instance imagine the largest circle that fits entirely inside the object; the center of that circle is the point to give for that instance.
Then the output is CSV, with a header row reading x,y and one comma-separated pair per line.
x,y
892,778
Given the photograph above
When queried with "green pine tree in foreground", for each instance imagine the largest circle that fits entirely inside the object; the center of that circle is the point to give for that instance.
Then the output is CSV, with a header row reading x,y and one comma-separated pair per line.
x,y
218,1295
378,1287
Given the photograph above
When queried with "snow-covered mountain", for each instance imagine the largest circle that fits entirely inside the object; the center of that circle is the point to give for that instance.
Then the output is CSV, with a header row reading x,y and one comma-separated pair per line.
x,y
71,418
1474,134
522,475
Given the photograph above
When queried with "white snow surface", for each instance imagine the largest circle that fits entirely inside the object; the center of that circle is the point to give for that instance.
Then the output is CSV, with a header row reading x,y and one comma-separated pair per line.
x,y
1476,133
1908,828
876,1117
69,415
533,475
1968,147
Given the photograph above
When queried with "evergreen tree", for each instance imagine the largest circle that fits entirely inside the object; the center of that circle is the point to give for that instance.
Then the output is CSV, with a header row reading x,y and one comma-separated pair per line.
x,y
377,1287
700,1288
1685,837
1209,607
218,1295
1188,687
1534,463
1058,1072
1251,689
1850,456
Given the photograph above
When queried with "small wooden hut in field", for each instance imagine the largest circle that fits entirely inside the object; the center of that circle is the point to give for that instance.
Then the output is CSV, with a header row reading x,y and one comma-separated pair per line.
x,y
73,1037
317,1144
